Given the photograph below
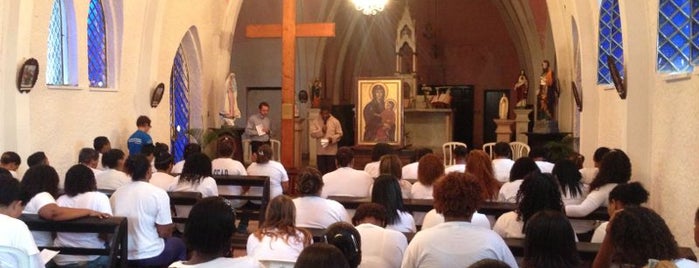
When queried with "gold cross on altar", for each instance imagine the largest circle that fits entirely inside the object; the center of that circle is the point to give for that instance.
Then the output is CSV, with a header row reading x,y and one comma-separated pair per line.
x,y
289,31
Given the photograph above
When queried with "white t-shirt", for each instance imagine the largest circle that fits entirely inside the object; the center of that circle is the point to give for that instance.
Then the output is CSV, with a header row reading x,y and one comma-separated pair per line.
x,y
685,263
599,233
42,239
277,175
405,223
177,168
588,174
433,218
162,180
501,169
381,248
544,167
14,233
145,206
409,171
455,244
508,226
455,168
318,212
346,181
508,191
568,198
90,200
595,199
373,169
421,191
111,179
275,248
206,186
242,262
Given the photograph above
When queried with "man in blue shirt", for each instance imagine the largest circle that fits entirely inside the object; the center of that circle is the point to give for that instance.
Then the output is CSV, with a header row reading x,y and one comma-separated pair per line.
x,y
140,137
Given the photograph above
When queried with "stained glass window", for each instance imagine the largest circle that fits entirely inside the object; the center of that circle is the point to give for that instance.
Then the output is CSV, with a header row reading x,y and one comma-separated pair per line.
x,y
54,54
674,36
179,104
96,45
695,32
610,40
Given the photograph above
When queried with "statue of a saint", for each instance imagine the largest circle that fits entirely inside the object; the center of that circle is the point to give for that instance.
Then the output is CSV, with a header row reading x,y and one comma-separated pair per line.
x,y
504,106
522,90
315,93
230,110
547,96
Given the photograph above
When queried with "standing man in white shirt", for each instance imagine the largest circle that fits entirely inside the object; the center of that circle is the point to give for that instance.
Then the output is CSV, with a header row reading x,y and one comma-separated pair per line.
x,y
258,128
346,181
502,162
327,131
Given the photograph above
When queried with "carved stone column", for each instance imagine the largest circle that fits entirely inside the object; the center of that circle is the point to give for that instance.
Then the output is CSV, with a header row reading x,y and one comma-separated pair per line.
x,y
522,124
504,129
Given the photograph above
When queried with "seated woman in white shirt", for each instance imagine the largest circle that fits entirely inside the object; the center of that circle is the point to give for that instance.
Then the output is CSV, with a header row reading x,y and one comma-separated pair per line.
x,y
538,192
614,169
346,238
278,238
550,241
113,176
225,165
189,149
41,185
379,150
195,177
573,191
589,173
623,195
429,170
14,232
81,192
387,192
391,164
479,164
163,164
409,171
208,233
381,247
313,211
520,169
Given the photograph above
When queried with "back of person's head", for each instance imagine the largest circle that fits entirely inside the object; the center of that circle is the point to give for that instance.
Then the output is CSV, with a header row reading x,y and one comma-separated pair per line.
x,y
639,234
345,237
10,157
99,143
391,164
196,167
614,168
457,195
264,154
79,179
429,169
143,121
164,160
111,158
380,149
309,182
629,194
549,241
148,150
321,255
225,146
344,156
489,263
460,152
386,191
191,148
210,226
280,213
370,211
419,153
599,154
568,175
538,152
480,165
87,155
11,191
160,147
538,192
38,158
502,149
41,178
138,167
523,167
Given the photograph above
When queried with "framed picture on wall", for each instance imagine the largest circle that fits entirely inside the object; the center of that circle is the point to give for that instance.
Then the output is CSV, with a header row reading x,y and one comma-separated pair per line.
x,y
380,111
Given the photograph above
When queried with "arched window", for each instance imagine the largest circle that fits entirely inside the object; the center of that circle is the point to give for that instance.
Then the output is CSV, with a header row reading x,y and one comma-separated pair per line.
x,y
610,40
179,104
61,68
674,36
96,45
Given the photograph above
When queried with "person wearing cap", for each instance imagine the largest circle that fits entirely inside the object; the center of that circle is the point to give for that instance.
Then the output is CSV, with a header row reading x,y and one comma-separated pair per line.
x,y
140,137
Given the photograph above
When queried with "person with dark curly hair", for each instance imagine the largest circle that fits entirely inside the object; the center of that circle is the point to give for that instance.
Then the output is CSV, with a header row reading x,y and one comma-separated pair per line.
x,y
623,195
634,236
189,149
615,169
456,242
391,164
479,164
278,238
428,171
380,149
538,192
502,164
387,192
520,169
112,176
589,173
163,164
313,211
381,247
549,241
321,255
208,233
195,177
346,238
37,158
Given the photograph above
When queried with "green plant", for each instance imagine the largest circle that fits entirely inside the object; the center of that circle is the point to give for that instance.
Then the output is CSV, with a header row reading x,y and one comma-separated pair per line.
x,y
562,149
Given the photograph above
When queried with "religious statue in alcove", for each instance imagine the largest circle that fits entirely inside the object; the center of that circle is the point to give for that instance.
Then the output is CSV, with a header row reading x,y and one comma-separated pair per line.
x,y
547,95
522,90
230,111
315,93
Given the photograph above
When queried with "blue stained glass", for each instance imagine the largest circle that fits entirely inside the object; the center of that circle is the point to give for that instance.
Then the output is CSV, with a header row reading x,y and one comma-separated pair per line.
x,y
695,32
179,104
96,45
54,53
610,40
674,36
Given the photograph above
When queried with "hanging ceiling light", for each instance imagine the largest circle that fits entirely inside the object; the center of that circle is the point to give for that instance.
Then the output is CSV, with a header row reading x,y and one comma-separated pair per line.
x,y
370,7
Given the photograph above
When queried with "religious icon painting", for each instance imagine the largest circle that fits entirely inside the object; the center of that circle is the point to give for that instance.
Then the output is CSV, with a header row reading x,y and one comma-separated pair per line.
x,y
379,111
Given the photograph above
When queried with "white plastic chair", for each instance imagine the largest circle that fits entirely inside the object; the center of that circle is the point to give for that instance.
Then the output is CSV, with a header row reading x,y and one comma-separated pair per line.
x,y
488,149
13,257
519,149
247,151
448,152
276,149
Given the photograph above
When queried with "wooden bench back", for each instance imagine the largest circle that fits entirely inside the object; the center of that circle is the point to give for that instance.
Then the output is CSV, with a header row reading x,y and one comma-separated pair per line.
x,y
247,181
182,199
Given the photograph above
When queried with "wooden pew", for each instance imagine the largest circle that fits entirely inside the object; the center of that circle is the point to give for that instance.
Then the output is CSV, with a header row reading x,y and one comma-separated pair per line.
x,y
247,181
117,248
182,199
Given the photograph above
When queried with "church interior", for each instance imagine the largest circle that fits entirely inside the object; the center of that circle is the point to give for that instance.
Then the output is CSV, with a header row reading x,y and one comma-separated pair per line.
x,y
477,47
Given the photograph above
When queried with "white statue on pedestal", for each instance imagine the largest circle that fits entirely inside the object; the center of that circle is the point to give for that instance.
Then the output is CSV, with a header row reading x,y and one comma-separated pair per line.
x,y
504,106
230,110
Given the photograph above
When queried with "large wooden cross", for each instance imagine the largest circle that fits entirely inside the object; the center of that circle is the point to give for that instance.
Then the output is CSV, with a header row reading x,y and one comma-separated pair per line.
x,y
288,31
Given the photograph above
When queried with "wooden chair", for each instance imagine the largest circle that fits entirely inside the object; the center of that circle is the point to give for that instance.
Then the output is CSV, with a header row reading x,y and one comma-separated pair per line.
x,y
519,149
488,149
448,152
